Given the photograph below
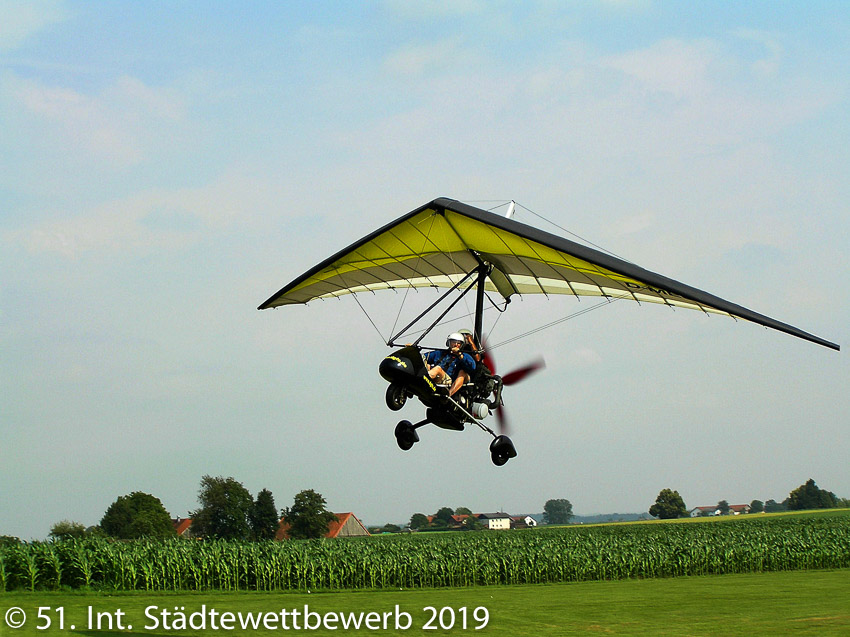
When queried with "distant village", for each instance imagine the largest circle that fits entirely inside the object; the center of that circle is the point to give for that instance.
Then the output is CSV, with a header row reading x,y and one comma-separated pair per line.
x,y
349,525
229,511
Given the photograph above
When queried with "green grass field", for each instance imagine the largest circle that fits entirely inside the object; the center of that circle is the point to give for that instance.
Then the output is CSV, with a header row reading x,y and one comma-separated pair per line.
x,y
753,575
804,602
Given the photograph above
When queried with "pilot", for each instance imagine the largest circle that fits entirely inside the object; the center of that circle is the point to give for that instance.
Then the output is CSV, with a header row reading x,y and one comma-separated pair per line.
x,y
450,367
470,346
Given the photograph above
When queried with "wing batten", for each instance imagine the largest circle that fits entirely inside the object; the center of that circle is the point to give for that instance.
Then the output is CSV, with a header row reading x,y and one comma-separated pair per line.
x,y
525,260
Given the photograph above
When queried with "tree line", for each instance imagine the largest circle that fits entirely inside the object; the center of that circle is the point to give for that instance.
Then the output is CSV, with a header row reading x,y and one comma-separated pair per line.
x,y
669,504
227,511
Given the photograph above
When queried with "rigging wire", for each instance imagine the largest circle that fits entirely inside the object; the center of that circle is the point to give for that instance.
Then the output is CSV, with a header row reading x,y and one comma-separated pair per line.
x,y
607,301
461,317
383,340
580,238
502,202
409,287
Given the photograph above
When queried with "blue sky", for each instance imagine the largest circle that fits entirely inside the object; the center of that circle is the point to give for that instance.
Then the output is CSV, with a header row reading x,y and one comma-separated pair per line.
x,y
165,167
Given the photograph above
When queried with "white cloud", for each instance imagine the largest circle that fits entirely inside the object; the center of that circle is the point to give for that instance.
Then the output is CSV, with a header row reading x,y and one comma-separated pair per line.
x,y
584,357
437,9
670,66
770,63
434,56
636,223
21,19
153,219
115,125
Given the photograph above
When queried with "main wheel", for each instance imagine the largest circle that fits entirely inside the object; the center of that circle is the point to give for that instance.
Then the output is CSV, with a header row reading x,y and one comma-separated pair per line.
x,y
395,397
502,450
405,435
498,459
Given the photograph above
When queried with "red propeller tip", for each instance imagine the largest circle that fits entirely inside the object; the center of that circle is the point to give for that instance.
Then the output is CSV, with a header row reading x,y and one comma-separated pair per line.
x,y
523,372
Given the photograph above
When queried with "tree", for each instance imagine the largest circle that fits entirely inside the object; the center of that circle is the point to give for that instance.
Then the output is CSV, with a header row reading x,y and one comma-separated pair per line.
x,y
308,517
264,518
66,530
756,506
463,511
225,512
772,506
557,511
135,516
668,505
418,521
723,507
809,496
445,514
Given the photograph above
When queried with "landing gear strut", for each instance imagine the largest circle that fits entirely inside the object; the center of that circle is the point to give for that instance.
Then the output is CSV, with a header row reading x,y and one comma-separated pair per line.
x,y
501,448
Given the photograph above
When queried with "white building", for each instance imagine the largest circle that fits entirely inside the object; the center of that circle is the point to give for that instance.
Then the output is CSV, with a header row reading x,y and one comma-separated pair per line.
x,y
496,521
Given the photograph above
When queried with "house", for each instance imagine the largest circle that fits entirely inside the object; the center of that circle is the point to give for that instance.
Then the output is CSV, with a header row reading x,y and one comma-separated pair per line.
x,y
455,522
182,526
458,521
522,521
734,509
700,512
496,521
346,525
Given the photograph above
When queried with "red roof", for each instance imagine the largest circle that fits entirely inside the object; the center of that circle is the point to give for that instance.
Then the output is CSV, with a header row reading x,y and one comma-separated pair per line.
x,y
181,525
334,528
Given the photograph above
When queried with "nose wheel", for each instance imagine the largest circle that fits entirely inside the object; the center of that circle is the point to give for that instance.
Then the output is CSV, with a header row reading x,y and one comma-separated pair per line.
x,y
395,397
502,450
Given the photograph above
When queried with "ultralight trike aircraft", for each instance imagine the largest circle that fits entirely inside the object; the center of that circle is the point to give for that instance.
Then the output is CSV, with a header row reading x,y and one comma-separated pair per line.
x,y
462,249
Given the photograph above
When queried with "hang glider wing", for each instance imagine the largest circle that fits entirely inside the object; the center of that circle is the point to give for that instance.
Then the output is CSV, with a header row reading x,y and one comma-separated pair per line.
x,y
440,243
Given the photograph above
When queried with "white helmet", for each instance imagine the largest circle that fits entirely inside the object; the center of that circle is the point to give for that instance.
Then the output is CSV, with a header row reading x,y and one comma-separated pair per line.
x,y
454,336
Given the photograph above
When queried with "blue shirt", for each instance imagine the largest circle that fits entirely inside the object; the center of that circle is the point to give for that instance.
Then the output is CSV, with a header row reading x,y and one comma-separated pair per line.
x,y
449,363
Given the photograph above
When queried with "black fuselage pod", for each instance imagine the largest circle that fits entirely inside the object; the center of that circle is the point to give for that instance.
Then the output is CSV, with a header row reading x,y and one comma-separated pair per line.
x,y
406,368
445,418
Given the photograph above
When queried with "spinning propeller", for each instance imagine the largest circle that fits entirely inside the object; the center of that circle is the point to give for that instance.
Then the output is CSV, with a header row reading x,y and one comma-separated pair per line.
x,y
511,378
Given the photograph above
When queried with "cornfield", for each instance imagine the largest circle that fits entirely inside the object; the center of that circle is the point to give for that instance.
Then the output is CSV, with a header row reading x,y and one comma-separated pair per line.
x,y
434,560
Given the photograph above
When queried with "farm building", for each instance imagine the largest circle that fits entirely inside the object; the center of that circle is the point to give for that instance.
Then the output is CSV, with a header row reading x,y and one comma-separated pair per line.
x,y
698,512
347,525
182,526
456,522
522,521
737,509
495,521
734,509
